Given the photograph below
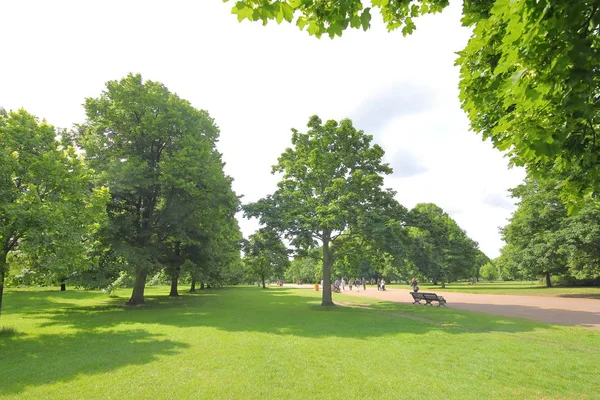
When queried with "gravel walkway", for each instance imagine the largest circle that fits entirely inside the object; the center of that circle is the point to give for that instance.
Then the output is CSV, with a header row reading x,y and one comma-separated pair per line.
x,y
555,310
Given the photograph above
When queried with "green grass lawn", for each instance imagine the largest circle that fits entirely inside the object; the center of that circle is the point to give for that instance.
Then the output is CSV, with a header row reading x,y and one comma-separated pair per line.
x,y
240,343
518,288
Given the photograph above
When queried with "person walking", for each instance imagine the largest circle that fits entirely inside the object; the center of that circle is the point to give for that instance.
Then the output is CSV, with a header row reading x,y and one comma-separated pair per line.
x,y
357,284
383,284
378,284
343,284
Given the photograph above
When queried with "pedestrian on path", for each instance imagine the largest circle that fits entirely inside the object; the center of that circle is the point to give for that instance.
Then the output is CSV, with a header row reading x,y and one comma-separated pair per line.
x,y
357,284
343,284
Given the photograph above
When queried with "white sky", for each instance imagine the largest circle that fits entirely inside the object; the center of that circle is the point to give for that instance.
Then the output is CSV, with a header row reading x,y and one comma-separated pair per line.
x,y
258,82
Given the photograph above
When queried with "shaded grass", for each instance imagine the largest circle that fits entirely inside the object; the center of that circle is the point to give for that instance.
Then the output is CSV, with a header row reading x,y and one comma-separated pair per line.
x,y
279,343
516,288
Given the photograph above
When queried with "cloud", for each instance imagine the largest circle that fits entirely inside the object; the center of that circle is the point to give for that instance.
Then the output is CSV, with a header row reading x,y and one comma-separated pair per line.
x,y
395,101
498,200
405,164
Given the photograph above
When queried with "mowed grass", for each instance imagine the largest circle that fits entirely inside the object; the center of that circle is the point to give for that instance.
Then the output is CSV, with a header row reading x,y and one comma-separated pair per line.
x,y
279,343
516,288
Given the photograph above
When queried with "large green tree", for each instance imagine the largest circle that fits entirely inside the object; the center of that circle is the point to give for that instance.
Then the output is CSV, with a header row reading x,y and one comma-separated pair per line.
x,y
133,132
48,208
330,191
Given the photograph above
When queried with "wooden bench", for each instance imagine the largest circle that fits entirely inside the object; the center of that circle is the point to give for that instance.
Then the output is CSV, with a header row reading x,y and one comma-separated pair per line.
x,y
428,298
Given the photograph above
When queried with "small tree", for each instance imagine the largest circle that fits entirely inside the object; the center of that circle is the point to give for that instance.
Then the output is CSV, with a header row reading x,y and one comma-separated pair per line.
x,y
265,255
489,272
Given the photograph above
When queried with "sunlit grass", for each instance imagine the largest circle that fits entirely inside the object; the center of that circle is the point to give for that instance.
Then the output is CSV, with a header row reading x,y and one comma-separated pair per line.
x,y
239,343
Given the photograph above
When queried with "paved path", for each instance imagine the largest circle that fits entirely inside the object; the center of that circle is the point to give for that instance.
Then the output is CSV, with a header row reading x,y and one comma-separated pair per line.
x,y
556,310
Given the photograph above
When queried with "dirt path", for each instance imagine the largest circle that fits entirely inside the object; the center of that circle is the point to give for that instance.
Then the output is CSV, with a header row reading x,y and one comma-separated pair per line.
x,y
556,310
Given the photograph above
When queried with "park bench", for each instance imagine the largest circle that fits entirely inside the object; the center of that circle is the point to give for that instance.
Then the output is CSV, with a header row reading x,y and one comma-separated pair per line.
x,y
428,298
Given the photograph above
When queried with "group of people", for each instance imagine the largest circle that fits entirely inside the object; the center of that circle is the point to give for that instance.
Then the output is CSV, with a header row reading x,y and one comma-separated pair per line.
x,y
341,283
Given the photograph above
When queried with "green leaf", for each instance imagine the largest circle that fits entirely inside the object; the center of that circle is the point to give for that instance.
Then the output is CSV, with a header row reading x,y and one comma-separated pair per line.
x,y
365,18
288,12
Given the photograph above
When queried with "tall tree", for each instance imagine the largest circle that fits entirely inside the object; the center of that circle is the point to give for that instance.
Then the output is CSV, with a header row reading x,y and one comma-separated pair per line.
x,y
330,191
47,204
131,131
265,255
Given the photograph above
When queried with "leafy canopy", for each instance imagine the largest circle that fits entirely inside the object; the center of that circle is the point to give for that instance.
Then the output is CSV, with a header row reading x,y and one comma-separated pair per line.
x,y
321,17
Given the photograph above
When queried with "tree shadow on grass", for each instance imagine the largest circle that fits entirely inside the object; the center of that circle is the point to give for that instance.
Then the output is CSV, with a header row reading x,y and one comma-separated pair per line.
x,y
38,360
285,311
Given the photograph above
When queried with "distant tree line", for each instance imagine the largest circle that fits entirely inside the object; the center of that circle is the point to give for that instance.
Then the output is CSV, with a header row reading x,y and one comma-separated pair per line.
x,y
544,240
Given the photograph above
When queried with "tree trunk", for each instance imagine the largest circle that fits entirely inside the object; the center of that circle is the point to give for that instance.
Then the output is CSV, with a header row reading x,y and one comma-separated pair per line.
x,y
193,288
327,264
174,279
2,273
262,278
63,287
548,282
201,285
137,296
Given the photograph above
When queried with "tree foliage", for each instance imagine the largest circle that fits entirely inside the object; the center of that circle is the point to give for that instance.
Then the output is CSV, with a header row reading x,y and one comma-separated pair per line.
x,y
322,17
529,82
49,210
441,250
543,239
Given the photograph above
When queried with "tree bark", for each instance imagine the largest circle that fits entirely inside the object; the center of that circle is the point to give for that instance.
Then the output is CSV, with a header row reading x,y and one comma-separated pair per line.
x,y
548,282
174,279
63,286
137,296
2,274
201,285
327,264
176,271
262,277
193,287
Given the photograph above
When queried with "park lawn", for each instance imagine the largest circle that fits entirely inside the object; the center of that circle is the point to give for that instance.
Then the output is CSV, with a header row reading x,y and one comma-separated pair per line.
x,y
516,288
279,343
